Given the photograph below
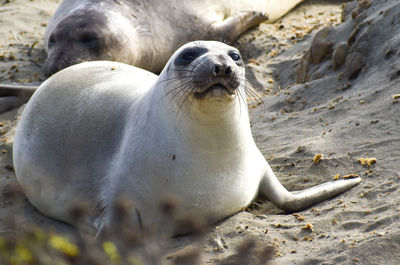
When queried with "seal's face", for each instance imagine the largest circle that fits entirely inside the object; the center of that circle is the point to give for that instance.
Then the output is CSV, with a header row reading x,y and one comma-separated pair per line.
x,y
207,71
81,36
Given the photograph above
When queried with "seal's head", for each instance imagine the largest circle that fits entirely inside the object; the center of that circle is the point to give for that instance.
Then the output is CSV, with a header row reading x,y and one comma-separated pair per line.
x,y
205,73
83,35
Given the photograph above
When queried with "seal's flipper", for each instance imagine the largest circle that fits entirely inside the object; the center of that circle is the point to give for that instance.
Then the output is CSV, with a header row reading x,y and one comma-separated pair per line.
x,y
298,200
9,103
13,96
232,27
17,90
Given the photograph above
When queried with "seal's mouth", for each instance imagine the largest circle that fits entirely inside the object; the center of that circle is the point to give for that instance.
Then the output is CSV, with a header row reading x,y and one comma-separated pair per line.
x,y
218,89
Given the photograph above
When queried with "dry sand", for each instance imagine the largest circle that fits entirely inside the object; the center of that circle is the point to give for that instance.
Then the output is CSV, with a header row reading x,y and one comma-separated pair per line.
x,y
345,108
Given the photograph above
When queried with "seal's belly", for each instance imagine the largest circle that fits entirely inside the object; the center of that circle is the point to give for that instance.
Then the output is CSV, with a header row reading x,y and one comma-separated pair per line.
x,y
203,189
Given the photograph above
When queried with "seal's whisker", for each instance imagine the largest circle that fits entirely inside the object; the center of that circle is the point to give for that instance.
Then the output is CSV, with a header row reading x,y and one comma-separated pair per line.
x,y
178,93
252,94
190,106
238,99
183,102
250,87
179,88
242,96
176,78
181,85
174,90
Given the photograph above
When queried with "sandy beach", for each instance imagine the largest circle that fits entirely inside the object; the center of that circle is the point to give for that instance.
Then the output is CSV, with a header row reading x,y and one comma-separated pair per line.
x,y
329,79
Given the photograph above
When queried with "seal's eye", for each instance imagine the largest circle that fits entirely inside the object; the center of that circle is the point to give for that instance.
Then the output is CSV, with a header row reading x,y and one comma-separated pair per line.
x,y
235,56
52,40
189,55
88,39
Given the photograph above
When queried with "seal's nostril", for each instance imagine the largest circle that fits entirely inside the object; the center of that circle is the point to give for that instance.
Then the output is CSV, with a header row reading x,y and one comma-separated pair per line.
x,y
216,70
222,70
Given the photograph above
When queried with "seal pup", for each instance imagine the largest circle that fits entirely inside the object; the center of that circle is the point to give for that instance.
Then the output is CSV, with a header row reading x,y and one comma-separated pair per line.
x,y
145,33
100,130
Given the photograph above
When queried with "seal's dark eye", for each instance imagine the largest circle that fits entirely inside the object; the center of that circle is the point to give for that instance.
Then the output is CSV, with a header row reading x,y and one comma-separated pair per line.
x,y
235,56
88,39
52,39
188,55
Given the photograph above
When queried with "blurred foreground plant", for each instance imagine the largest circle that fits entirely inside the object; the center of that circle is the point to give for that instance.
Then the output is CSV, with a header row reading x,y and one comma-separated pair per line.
x,y
27,244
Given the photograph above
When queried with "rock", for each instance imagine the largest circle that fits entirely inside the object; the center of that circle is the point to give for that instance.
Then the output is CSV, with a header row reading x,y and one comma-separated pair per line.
x,y
320,46
339,55
354,63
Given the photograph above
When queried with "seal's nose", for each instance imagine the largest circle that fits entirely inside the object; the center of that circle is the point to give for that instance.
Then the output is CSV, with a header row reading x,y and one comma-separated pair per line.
x,y
222,70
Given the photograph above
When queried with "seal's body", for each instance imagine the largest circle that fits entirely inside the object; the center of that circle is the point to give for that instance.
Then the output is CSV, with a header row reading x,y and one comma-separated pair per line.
x,y
145,33
100,130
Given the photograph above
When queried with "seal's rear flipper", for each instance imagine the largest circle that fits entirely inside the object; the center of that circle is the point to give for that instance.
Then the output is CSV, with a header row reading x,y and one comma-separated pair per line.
x,y
298,200
232,27
13,96
9,103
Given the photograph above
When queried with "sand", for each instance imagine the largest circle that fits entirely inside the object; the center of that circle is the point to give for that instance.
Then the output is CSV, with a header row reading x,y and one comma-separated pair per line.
x,y
334,93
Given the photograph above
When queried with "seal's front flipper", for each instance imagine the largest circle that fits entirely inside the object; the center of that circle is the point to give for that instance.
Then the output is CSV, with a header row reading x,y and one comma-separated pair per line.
x,y
271,188
232,27
13,96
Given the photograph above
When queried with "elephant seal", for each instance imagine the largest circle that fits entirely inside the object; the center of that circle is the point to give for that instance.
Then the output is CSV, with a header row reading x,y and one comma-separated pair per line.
x,y
145,33
100,130
142,33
